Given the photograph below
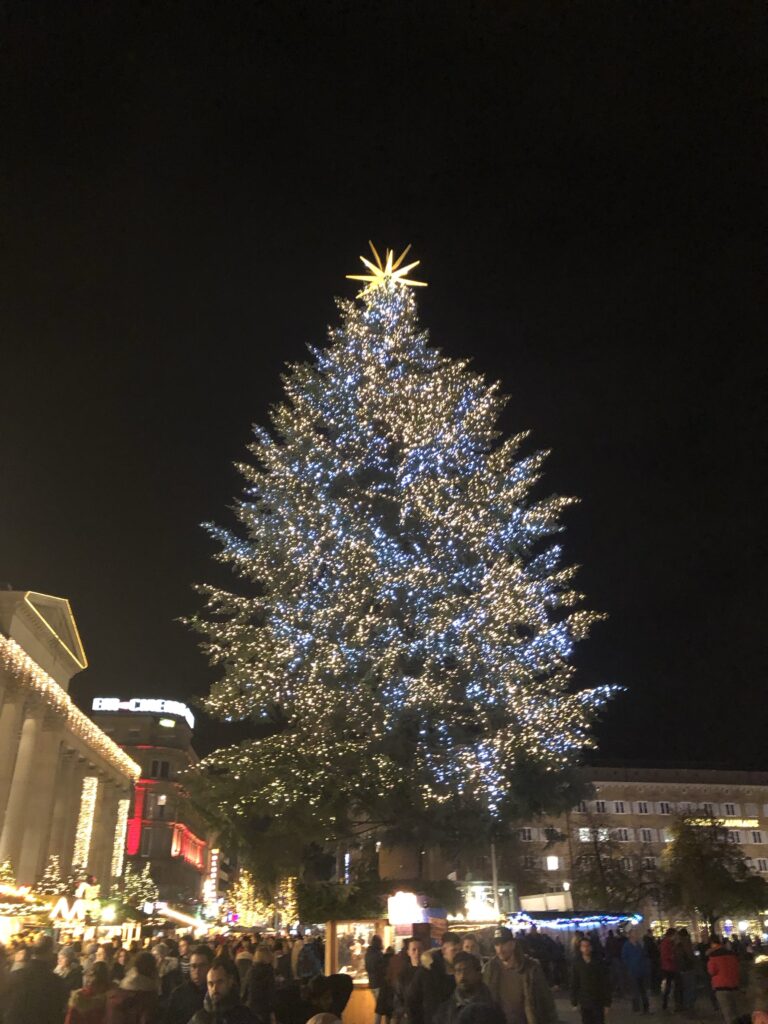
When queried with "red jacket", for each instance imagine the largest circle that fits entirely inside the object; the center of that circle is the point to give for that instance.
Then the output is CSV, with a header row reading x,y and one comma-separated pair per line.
x,y
87,1007
668,951
723,967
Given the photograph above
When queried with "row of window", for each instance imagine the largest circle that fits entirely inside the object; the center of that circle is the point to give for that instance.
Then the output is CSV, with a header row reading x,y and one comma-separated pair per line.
x,y
661,835
760,864
727,810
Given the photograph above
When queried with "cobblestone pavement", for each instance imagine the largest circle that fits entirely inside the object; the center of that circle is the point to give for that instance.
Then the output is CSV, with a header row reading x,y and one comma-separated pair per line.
x,y
621,1012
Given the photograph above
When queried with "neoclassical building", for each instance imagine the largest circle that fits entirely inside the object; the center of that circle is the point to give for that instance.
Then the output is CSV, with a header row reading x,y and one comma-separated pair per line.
x,y
65,787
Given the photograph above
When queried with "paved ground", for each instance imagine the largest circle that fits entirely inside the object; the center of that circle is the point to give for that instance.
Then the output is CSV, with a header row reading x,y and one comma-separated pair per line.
x,y
621,1012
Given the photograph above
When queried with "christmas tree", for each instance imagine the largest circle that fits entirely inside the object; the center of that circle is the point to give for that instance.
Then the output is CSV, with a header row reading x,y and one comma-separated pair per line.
x,y
404,621
51,884
138,887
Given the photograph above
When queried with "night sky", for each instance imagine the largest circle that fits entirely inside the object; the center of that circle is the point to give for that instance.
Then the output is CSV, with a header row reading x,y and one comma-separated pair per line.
x,y
184,187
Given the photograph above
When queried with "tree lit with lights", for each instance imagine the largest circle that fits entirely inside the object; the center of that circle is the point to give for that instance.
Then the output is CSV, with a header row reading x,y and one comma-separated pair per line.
x,y
404,620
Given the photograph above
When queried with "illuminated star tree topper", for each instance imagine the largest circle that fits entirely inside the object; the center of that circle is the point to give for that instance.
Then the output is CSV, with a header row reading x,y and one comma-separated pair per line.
x,y
403,618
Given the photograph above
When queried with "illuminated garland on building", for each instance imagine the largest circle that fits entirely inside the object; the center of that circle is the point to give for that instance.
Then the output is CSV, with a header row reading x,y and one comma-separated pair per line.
x,y
84,828
16,661
413,624
118,848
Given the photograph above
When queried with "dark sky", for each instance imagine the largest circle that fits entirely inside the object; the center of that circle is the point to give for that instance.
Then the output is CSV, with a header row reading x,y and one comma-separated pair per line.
x,y
184,187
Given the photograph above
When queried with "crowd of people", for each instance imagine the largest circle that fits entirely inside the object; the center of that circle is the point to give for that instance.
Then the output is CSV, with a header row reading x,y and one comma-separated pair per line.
x,y
253,979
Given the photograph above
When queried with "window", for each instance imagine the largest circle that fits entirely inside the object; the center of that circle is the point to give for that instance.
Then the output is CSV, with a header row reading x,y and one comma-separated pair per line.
x,y
164,769
586,835
149,807
762,864
155,769
161,801
757,837
664,808
666,835
708,809
551,834
526,834
600,806
529,862
649,862
642,807
146,841
646,835
622,834
582,808
730,810
618,806
734,836
553,863
625,863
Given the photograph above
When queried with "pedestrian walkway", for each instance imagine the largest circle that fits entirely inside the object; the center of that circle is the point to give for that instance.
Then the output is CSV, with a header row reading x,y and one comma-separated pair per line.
x,y
621,1012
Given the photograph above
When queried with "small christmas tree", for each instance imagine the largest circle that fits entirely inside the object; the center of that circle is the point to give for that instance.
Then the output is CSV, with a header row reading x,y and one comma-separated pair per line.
x,y
51,884
139,887
7,876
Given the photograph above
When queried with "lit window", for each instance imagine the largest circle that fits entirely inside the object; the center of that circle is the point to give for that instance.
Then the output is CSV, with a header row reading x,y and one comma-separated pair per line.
x,y
600,806
666,835
167,723
161,799
642,807
553,863
664,808
646,835
618,806
584,835
757,837
526,835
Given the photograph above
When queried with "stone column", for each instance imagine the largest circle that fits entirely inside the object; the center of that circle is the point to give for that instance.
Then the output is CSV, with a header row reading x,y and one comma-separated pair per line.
x,y
100,860
23,773
67,765
39,808
71,811
97,835
10,728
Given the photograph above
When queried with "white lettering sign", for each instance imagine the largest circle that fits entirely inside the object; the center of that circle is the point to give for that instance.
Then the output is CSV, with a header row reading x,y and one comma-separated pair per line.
x,y
145,705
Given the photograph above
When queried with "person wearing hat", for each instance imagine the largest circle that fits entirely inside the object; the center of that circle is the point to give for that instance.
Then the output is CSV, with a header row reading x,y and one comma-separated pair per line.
x,y
518,983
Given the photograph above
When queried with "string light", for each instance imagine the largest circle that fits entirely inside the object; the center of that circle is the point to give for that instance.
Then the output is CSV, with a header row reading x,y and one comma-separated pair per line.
x,y
412,623
85,820
15,660
118,847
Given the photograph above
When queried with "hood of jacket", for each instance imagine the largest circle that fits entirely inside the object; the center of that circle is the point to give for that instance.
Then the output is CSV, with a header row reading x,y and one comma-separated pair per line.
x,y
135,982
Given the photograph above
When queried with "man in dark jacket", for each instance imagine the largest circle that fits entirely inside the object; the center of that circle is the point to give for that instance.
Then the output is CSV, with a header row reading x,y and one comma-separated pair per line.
x,y
590,985
187,999
471,998
35,995
433,981
222,1002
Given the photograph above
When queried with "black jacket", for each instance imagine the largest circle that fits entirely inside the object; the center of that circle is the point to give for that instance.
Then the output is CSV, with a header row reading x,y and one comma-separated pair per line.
x,y
478,1007
590,984
35,994
229,1011
430,986
259,991
183,1003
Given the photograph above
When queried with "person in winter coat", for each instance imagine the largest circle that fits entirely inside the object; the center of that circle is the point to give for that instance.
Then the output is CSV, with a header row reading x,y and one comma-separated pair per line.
x,y
433,981
222,1001
686,962
244,960
187,998
670,969
69,970
137,1000
258,989
35,994
518,983
168,971
758,989
401,971
470,994
590,985
723,970
375,968
638,968
88,1005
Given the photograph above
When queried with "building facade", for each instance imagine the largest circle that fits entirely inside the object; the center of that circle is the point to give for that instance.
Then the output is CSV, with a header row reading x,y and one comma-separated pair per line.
x,y
634,809
65,786
163,829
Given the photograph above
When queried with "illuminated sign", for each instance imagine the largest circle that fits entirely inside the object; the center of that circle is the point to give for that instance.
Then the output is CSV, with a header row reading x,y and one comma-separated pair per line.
x,y
728,822
145,705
